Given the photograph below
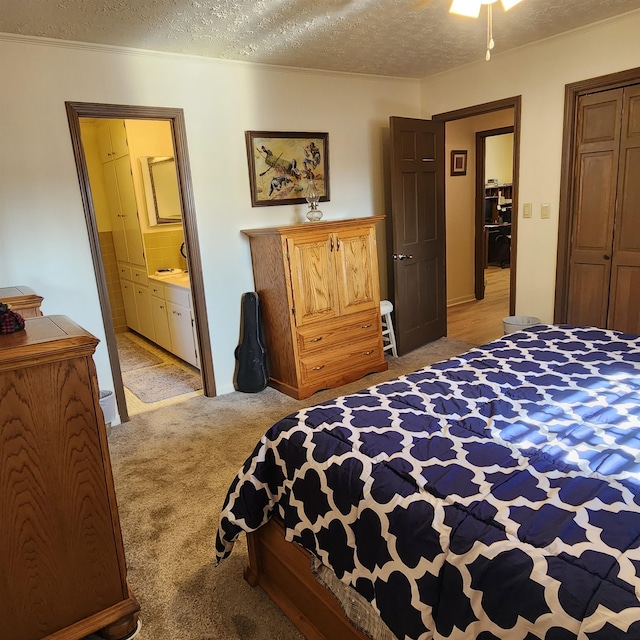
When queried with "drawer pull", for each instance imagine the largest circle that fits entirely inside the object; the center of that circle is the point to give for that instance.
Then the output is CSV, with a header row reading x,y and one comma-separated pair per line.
x,y
368,353
318,368
366,326
315,339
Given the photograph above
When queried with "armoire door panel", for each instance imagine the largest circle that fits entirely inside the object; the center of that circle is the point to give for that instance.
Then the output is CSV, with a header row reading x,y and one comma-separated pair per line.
x,y
314,289
627,233
588,295
354,253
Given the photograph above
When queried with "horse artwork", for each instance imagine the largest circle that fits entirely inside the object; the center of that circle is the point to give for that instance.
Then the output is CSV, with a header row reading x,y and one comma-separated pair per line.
x,y
282,165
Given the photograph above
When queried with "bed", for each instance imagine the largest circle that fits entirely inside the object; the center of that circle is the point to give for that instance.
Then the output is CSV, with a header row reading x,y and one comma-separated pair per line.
x,y
492,496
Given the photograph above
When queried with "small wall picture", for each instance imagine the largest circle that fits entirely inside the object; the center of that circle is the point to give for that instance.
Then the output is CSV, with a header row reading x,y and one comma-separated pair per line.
x,y
459,163
283,164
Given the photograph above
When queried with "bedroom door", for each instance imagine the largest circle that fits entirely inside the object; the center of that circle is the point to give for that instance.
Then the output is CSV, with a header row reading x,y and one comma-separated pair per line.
x,y
604,260
416,232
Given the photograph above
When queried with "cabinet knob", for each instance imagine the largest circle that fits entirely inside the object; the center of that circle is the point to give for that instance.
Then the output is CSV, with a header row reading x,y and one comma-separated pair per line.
x,y
316,339
318,368
606,257
366,326
368,353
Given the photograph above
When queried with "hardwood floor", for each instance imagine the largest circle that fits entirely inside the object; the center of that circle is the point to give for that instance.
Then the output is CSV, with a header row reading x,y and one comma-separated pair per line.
x,y
480,321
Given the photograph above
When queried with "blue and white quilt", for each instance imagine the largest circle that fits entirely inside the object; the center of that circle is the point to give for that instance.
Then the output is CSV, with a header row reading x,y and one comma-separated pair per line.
x,y
494,496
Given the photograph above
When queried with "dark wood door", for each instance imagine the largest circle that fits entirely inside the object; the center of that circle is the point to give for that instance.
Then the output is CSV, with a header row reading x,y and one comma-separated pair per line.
x,y
624,298
596,170
416,232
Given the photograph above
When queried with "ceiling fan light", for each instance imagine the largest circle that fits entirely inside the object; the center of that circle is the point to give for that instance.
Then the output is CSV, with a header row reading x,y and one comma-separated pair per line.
x,y
507,4
469,8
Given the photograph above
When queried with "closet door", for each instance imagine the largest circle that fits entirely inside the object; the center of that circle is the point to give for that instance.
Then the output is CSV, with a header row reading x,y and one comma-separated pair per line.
x,y
624,301
596,171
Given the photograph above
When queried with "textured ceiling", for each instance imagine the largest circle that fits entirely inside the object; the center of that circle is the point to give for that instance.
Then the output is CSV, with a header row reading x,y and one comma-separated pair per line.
x,y
406,38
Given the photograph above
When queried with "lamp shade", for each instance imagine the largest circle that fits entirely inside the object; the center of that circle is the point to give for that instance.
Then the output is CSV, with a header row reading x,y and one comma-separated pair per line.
x,y
507,4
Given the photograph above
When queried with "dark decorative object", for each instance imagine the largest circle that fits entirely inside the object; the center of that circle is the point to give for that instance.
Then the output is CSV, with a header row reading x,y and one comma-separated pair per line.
x,y
251,369
10,321
282,166
459,163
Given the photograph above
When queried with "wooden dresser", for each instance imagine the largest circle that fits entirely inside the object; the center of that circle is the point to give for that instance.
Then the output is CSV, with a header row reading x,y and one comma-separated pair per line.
x,y
320,303
62,563
22,300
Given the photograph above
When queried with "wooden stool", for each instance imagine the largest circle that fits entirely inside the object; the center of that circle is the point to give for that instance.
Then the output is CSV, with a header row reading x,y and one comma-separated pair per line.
x,y
388,335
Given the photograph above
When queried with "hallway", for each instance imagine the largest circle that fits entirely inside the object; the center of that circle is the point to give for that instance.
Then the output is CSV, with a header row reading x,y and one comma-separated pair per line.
x,y
480,321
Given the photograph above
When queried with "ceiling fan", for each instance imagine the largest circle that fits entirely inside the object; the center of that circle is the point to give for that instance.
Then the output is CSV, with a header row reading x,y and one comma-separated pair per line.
x,y
471,9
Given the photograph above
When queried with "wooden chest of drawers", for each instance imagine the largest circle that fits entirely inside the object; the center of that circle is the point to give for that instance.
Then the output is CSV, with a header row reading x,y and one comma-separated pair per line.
x,y
61,549
320,303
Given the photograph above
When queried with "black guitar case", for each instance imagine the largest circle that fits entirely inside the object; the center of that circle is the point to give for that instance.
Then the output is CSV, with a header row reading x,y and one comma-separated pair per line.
x,y
251,357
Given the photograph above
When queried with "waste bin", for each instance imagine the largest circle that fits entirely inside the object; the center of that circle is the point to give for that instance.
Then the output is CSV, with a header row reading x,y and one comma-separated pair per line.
x,y
108,406
517,323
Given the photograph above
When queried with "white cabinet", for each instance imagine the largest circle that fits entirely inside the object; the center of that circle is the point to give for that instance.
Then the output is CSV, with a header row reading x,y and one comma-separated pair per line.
x,y
123,209
159,314
112,140
129,298
143,308
179,320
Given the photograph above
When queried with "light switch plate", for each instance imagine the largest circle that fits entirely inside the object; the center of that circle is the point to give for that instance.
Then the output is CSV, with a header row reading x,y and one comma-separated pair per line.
x,y
527,210
545,210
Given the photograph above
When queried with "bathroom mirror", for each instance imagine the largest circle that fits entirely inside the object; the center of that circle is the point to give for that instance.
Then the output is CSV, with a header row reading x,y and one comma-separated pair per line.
x,y
161,189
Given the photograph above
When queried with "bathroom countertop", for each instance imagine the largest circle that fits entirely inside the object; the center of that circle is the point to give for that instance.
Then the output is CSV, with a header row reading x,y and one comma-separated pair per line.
x,y
176,279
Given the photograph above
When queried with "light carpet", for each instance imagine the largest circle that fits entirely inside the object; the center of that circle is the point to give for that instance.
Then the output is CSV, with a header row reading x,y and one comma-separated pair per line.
x,y
172,468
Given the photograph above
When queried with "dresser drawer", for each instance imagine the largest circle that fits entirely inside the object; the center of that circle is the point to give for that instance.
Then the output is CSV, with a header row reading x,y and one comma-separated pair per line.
x,y
330,363
346,329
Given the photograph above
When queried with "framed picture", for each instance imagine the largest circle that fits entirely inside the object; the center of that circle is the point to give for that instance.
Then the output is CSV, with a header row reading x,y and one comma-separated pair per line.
x,y
282,165
459,163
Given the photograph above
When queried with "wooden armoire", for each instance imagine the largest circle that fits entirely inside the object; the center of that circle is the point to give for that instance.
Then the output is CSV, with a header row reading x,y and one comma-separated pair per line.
x,y
319,293
62,563
599,247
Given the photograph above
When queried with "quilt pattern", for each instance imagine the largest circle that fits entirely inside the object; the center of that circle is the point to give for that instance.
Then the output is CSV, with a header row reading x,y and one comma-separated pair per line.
x,y
493,496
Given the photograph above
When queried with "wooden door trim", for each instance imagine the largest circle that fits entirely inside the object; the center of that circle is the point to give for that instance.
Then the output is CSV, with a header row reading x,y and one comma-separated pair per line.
x,y
77,110
514,103
573,92
480,249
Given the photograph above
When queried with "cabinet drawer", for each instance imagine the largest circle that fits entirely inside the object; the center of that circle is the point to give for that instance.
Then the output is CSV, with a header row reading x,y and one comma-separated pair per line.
x,y
328,363
157,290
139,276
125,272
346,329
178,295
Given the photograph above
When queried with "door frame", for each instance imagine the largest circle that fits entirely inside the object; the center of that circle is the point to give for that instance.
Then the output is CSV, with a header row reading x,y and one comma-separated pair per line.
x,y
573,92
515,103
77,110
480,248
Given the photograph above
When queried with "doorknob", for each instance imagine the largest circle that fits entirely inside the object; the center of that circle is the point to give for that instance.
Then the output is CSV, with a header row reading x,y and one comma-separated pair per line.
x,y
401,256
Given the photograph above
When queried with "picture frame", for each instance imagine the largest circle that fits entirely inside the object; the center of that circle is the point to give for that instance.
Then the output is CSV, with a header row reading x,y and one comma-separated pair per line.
x,y
283,163
459,162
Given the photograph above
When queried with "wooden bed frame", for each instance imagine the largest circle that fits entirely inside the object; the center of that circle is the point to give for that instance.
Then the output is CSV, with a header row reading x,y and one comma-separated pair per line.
x,y
283,571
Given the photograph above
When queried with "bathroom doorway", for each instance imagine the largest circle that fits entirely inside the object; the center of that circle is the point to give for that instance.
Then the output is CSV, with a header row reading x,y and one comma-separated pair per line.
x,y
86,113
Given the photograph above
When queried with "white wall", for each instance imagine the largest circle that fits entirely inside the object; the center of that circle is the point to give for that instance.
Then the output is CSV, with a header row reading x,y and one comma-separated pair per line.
x,y
539,74
43,236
